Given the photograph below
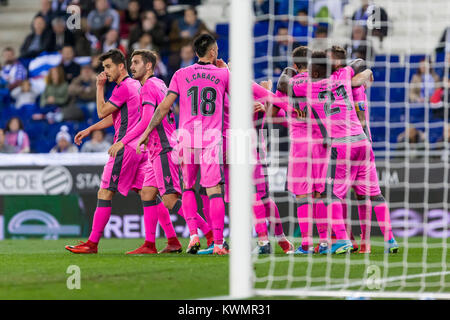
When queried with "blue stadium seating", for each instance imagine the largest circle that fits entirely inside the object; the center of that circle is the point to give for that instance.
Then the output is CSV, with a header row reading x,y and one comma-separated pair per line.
x,y
261,28
397,95
397,74
261,48
222,29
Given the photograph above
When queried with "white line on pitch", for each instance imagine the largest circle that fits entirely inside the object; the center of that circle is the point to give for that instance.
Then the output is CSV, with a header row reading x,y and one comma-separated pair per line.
x,y
379,281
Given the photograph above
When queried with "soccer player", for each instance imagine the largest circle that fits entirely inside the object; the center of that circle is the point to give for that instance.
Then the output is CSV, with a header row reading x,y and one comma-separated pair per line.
x,y
331,104
263,204
368,192
201,89
307,155
161,176
122,112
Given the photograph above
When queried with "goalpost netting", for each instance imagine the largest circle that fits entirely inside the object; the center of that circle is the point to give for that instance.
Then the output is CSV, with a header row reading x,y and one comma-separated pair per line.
x,y
413,175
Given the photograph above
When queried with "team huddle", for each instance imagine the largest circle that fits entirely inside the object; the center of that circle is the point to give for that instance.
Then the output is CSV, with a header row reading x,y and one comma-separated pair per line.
x,y
324,104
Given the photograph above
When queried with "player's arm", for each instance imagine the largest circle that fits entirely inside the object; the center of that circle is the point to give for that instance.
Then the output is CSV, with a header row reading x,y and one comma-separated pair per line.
x,y
104,109
102,124
161,111
358,65
135,132
361,78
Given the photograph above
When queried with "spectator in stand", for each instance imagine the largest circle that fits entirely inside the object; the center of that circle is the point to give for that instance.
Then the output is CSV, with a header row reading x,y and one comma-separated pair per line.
x,y
59,7
145,42
46,11
129,18
120,5
85,42
149,24
160,70
24,95
359,46
376,15
186,29
13,72
187,58
85,6
4,147
70,67
97,142
63,37
56,89
82,90
16,137
110,41
301,26
415,139
165,18
64,142
39,40
423,82
320,40
280,49
102,19
440,100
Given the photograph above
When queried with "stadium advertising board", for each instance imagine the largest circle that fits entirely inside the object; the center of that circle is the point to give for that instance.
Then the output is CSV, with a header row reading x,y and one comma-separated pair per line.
x,y
48,217
414,196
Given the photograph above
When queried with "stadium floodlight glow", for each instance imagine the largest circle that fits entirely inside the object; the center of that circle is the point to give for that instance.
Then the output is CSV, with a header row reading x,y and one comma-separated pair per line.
x,y
241,27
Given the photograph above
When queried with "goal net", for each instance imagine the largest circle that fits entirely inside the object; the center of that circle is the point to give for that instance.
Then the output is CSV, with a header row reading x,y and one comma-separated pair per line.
x,y
404,44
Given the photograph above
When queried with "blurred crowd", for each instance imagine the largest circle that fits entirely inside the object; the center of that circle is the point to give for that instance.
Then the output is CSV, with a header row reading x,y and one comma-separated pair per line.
x,y
33,117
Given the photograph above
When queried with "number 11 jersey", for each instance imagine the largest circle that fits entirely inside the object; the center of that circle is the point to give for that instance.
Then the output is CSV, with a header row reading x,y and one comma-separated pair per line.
x,y
332,103
201,89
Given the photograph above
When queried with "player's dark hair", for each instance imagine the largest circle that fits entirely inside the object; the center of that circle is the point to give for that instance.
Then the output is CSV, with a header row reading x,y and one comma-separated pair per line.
x,y
319,65
146,55
338,52
300,56
116,57
202,43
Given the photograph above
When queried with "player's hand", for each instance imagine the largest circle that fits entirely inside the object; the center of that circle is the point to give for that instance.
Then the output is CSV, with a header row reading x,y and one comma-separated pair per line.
x,y
101,79
301,115
81,135
115,148
221,64
267,84
142,141
258,107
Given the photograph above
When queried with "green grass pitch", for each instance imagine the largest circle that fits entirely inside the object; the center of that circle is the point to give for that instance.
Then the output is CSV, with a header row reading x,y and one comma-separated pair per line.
x,y
36,269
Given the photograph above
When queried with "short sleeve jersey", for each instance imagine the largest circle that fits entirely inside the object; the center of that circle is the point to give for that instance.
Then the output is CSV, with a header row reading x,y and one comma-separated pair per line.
x,y
162,139
331,102
126,98
201,89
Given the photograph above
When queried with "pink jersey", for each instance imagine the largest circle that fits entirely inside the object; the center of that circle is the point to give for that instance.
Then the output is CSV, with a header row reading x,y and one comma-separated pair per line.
x,y
361,104
331,103
162,139
202,89
126,98
304,127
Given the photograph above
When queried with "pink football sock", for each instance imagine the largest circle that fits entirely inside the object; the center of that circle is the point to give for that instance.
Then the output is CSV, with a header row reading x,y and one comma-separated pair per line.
x,y
304,215
202,225
205,200
348,224
273,215
365,217
164,220
320,216
259,214
383,218
337,222
189,205
101,218
150,219
217,215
